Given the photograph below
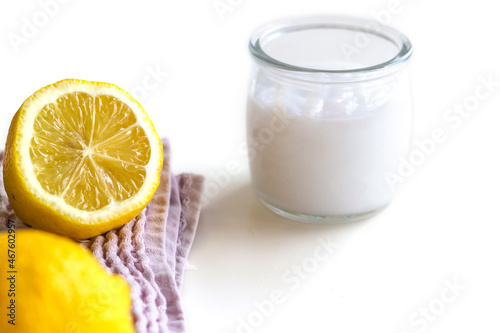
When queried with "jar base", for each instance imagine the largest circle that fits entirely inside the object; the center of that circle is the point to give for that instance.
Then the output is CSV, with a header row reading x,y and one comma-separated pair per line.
x,y
328,219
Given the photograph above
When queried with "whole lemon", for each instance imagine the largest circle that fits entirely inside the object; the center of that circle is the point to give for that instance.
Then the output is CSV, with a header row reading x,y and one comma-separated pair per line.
x,y
49,284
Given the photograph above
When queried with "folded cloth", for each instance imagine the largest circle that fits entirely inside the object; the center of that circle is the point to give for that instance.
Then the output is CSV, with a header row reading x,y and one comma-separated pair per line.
x,y
150,252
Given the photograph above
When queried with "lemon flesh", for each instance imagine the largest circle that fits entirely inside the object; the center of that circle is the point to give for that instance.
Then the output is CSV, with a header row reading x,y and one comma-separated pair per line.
x,y
90,151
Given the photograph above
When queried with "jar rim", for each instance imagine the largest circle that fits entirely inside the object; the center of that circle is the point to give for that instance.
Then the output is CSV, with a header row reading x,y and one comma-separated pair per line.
x,y
278,28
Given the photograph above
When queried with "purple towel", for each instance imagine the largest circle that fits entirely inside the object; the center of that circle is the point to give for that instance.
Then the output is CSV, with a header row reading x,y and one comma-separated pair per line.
x,y
150,251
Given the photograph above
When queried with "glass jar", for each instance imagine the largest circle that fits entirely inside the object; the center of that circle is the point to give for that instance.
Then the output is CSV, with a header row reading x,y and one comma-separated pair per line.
x,y
328,116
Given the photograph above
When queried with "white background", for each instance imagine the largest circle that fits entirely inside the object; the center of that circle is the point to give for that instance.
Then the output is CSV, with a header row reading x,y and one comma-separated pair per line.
x,y
442,227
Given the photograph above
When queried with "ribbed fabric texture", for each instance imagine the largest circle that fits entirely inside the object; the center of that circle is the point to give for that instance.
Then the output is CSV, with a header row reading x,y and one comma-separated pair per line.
x,y
150,251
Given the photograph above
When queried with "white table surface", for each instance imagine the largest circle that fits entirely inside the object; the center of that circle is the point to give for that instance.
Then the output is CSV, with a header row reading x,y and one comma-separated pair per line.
x,y
428,263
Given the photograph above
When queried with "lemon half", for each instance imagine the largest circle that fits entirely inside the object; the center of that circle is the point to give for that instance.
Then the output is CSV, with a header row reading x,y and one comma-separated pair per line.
x,y
81,158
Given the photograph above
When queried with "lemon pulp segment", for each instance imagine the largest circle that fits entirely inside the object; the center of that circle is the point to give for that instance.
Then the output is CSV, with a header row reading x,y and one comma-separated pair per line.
x,y
89,150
